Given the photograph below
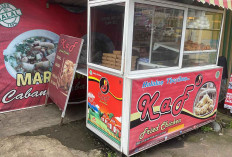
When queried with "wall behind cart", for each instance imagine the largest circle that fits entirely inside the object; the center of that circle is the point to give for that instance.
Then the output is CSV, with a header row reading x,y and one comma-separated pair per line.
x,y
226,47
30,15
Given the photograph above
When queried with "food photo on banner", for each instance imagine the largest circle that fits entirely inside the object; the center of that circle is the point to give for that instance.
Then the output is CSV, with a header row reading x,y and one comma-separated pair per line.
x,y
29,33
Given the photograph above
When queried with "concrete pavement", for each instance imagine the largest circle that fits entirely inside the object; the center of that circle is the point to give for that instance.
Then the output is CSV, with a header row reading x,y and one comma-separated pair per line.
x,y
37,133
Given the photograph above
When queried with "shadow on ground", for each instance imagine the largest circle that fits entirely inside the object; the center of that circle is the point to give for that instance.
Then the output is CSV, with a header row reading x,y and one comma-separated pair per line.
x,y
193,144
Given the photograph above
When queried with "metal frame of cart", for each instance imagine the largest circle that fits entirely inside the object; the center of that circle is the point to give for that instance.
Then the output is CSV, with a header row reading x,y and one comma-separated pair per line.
x,y
126,72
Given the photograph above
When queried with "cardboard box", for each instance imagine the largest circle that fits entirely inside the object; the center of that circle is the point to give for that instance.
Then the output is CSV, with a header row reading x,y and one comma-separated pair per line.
x,y
112,55
118,64
108,62
118,67
111,66
119,57
109,55
117,52
108,65
118,60
105,54
111,59
104,57
134,57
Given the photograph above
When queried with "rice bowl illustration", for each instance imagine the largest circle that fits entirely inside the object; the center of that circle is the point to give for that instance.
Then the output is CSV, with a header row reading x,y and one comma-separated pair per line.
x,y
30,52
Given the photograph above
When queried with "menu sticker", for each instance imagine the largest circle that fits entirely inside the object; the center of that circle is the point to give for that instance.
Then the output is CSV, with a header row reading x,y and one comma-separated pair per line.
x,y
64,69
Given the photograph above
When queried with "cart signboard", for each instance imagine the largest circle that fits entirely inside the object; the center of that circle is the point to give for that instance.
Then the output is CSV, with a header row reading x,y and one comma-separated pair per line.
x,y
105,103
228,101
166,106
64,69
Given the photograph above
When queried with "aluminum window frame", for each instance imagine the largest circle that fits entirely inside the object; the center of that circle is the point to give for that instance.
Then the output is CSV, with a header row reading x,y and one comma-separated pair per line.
x,y
128,61
164,3
105,69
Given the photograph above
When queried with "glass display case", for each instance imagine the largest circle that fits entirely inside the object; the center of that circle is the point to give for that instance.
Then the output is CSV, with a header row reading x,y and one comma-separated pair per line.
x,y
159,46
157,37
163,37
106,35
202,38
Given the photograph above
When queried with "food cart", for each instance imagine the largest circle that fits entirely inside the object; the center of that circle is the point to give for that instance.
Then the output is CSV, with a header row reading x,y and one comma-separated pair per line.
x,y
151,69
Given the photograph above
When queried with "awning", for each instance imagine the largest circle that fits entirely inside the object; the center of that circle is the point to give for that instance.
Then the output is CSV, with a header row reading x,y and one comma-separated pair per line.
x,y
220,3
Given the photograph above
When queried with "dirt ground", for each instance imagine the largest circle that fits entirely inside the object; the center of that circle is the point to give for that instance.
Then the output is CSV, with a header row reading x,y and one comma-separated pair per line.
x,y
73,139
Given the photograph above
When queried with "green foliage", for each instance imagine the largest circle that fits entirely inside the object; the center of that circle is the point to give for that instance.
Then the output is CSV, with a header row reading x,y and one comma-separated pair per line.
x,y
206,128
230,124
226,124
112,154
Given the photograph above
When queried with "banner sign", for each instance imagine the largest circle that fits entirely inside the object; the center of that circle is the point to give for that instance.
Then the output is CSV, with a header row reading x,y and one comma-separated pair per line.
x,y
105,103
64,70
167,106
29,37
228,101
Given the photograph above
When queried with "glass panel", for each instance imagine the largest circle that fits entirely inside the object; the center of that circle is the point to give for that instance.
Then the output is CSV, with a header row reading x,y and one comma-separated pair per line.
x,y
156,37
106,35
201,38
